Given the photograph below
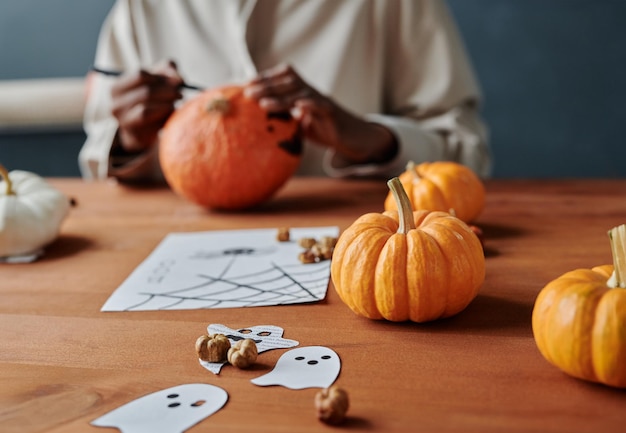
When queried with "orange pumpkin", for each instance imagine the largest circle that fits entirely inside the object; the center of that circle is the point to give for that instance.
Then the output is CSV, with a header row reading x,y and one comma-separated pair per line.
x,y
404,265
221,150
579,319
442,186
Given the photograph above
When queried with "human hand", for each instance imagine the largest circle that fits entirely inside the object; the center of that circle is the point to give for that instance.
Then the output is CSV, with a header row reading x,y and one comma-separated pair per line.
x,y
321,119
142,102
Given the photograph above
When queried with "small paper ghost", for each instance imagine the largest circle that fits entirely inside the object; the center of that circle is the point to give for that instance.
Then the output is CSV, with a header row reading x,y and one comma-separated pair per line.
x,y
305,367
171,410
266,337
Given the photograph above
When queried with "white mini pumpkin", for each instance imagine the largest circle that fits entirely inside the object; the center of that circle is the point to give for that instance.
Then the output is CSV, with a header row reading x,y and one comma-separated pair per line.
x,y
31,212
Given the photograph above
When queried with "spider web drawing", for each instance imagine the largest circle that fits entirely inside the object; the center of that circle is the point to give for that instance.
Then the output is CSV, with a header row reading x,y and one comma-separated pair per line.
x,y
229,277
275,285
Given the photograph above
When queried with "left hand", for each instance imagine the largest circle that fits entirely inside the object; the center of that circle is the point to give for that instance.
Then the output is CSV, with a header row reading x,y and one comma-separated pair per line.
x,y
355,140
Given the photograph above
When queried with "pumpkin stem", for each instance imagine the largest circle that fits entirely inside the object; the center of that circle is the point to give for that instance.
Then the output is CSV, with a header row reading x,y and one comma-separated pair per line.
x,y
219,104
5,175
405,211
617,237
410,167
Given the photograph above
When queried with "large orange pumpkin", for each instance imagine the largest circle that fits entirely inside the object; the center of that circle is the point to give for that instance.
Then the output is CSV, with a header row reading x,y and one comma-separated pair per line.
x,y
442,186
579,319
406,265
221,150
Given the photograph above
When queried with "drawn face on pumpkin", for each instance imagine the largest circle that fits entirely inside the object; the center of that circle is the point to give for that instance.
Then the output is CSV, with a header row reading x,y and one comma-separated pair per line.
x,y
293,144
222,150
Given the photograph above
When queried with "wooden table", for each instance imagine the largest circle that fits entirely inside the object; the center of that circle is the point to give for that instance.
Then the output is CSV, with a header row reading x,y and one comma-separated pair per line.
x,y
64,363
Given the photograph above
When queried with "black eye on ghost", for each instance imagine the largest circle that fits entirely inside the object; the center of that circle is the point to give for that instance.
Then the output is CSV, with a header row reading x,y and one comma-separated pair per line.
x,y
176,404
312,361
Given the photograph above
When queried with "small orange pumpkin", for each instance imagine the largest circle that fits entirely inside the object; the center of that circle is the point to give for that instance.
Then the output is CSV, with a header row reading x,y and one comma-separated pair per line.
x,y
442,186
579,319
221,150
404,265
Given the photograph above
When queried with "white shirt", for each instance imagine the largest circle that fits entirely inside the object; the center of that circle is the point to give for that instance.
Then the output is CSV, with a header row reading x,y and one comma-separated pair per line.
x,y
399,63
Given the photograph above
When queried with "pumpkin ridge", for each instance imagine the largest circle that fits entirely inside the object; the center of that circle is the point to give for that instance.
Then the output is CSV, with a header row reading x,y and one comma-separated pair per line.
x,y
390,279
363,299
427,289
609,330
573,351
444,275
428,195
353,247
460,268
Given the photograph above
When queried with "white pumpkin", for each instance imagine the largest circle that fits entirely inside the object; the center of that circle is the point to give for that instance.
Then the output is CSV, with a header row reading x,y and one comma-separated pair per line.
x,y
31,212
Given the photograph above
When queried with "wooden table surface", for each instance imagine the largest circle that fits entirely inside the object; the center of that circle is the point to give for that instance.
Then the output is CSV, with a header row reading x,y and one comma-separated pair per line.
x,y
63,363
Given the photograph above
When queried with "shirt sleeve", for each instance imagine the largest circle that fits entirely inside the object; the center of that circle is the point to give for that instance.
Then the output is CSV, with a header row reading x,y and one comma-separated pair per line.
x,y
116,50
432,105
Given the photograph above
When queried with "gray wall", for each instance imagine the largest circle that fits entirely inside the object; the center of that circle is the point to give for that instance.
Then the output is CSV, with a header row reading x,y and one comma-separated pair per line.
x,y
553,77
551,71
44,39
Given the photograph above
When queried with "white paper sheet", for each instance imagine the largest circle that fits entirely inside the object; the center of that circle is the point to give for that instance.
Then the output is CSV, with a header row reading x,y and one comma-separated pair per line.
x,y
224,269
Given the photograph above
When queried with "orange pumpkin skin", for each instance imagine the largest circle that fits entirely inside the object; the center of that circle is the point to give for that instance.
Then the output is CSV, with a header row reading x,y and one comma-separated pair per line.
x,y
431,272
579,325
441,186
221,150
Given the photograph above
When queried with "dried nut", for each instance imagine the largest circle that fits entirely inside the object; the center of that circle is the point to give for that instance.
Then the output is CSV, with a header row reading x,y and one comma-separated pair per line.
x,y
306,242
307,257
212,348
328,241
332,404
283,234
322,252
243,354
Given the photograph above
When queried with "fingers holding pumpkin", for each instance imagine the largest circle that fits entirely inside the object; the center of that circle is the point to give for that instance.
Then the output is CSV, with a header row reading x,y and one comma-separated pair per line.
x,y
317,121
279,89
141,103
321,119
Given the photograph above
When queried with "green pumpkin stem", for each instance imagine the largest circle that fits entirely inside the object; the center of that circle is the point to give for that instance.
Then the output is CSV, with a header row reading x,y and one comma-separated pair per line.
x,y
405,211
410,167
4,173
219,104
617,237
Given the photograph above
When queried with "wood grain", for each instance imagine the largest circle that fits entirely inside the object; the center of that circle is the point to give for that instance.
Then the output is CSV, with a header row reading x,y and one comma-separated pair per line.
x,y
63,363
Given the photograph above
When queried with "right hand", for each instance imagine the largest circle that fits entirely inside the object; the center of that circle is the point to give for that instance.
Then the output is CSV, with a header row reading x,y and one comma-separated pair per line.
x,y
142,102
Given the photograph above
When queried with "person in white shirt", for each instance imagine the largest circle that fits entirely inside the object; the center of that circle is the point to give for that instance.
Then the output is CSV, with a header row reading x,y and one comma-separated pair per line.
x,y
373,83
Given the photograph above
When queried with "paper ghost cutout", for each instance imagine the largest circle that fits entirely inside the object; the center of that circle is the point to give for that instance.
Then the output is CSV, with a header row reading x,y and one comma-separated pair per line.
x,y
305,367
266,337
171,410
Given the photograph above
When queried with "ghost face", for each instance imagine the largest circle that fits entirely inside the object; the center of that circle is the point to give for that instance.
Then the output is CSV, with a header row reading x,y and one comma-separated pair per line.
x,y
266,337
305,367
171,410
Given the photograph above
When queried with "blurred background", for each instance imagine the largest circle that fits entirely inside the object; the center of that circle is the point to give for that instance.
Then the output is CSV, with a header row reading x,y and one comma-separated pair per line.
x,y
551,73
